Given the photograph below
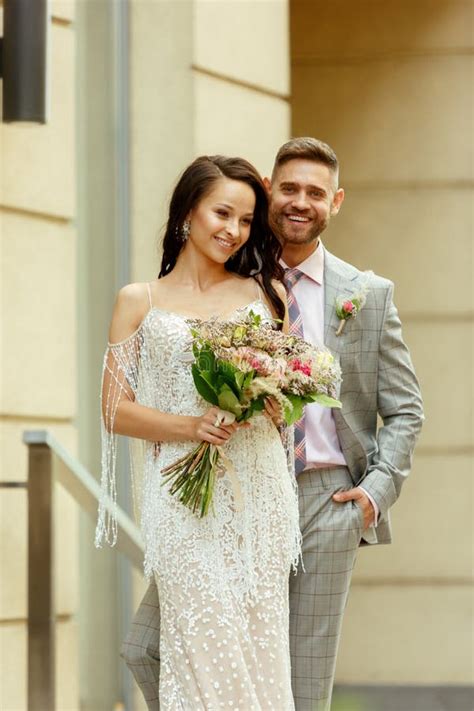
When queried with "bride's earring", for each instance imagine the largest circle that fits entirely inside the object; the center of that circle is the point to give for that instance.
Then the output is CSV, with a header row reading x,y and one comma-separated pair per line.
x,y
185,230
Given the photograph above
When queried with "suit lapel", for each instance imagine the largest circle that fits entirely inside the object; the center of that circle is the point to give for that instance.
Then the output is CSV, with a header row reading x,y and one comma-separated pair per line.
x,y
331,285
337,281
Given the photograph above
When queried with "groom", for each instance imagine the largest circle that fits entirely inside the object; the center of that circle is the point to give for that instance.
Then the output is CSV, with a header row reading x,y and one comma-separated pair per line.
x,y
349,473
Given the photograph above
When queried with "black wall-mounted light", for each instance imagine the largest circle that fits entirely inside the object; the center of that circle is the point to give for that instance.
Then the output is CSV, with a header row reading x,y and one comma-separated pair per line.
x,y
23,60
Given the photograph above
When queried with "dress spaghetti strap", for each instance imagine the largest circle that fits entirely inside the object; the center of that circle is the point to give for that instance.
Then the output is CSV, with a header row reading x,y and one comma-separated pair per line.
x,y
149,294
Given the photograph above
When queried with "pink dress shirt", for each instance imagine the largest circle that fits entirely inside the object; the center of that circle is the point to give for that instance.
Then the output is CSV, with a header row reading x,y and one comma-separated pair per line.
x,y
322,443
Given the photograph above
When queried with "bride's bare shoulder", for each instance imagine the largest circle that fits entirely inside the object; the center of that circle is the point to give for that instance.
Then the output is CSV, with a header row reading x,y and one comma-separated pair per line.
x,y
133,295
131,306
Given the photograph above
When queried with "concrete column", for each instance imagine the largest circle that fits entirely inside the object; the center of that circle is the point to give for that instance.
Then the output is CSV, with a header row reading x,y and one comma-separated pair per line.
x,y
102,267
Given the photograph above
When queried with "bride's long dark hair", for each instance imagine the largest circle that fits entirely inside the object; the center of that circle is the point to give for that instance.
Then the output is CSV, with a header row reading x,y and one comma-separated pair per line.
x,y
259,256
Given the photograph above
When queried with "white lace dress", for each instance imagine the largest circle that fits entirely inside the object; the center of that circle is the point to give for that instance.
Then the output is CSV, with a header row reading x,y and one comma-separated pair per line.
x,y
222,580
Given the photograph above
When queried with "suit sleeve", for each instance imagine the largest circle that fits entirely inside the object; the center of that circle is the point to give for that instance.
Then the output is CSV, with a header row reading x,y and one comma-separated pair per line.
x,y
399,404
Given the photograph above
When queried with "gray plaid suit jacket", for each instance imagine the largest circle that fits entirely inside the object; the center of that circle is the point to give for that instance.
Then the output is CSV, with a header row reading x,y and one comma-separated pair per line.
x,y
378,378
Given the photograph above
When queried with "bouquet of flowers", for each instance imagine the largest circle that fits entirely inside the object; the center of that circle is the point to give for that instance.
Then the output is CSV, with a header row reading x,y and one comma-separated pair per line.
x,y
237,364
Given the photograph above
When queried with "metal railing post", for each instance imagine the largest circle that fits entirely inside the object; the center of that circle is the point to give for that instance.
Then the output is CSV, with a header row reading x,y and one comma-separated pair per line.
x,y
49,463
41,610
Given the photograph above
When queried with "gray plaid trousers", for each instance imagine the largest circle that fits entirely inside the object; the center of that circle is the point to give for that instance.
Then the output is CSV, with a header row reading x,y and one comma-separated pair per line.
x,y
141,648
331,535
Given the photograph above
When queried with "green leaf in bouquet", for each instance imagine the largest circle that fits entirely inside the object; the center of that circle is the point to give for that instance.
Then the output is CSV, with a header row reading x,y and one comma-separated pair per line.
x,y
324,400
228,380
227,369
227,400
203,388
239,333
239,377
210,378
255,318
248,379
206,359
287,412
256,405
246,415
259,403
292,416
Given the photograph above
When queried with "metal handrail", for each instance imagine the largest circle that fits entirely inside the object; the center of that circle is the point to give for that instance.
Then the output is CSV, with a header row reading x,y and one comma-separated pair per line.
x,y
50,463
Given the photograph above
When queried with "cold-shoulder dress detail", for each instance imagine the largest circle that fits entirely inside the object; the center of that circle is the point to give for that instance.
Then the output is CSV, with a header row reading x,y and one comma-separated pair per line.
x,y
222,580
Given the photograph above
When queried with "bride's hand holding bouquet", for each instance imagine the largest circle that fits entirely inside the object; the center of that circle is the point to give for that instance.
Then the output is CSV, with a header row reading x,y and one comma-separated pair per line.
x,y
212,427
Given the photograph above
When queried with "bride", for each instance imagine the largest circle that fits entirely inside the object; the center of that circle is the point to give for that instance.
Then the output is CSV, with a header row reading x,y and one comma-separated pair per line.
x,y
222,580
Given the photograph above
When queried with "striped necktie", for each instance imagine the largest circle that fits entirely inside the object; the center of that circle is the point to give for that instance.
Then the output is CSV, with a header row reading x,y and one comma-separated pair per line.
x,y
292,276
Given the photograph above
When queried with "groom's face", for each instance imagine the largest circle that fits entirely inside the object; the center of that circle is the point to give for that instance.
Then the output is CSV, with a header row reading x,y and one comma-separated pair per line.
x,y
303,198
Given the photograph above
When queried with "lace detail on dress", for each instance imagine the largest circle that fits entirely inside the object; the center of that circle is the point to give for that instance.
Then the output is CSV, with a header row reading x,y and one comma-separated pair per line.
x,y
223,579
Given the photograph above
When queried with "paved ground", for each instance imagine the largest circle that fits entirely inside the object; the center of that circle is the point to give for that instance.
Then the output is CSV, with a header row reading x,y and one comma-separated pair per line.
x,y
403,698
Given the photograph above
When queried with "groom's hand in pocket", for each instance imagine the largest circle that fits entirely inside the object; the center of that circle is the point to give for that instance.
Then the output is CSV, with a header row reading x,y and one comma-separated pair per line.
x,y
360,497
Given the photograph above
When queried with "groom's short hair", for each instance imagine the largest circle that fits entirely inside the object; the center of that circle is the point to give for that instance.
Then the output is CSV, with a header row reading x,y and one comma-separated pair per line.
x,y
307,148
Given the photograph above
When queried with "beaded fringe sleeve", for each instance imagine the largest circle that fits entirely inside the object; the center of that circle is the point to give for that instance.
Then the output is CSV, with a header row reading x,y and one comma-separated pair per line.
x,y
123,378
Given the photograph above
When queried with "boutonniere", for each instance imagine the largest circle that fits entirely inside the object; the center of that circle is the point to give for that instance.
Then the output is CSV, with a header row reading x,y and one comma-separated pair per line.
x,y
349,306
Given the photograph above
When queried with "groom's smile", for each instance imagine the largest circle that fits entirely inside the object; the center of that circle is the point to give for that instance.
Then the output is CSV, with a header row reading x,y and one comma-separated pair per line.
x,y
298,218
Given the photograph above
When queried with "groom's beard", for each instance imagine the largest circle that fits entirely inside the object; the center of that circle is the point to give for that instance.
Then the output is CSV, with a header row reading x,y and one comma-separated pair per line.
x,y
287,235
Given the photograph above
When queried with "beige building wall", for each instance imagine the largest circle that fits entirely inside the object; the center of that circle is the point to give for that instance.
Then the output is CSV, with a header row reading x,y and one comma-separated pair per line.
x,y
388,85
38,354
